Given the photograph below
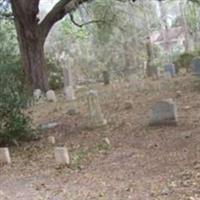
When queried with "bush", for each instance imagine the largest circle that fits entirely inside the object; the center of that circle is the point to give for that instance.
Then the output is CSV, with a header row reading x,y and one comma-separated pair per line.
x,y
54,73
184,61
14,124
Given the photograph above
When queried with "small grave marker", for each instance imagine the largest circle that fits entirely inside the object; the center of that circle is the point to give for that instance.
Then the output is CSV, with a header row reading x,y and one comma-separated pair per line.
x,y
5,156
37,94
51,140
51,96
62,156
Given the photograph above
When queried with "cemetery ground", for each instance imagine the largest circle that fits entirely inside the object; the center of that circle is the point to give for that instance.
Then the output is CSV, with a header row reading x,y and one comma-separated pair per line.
x,y
140,163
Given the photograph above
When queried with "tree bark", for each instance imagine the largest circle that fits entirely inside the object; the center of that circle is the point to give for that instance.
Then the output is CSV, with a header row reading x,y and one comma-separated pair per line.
x,y
33,61
31,43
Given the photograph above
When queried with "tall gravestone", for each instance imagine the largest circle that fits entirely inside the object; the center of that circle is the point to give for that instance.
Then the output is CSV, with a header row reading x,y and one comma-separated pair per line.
x,y
164,113
106,77
67,74
196,66
169,70
96,115
68,83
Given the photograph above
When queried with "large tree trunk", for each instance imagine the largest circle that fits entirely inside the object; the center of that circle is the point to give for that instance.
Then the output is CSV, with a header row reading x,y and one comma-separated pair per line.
x,y
32,53
31,43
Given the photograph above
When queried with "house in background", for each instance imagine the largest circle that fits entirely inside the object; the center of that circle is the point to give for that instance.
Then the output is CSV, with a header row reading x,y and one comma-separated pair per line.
x,y
172,40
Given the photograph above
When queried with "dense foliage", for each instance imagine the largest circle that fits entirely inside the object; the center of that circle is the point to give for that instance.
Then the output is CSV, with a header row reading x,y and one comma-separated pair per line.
x,y
15,125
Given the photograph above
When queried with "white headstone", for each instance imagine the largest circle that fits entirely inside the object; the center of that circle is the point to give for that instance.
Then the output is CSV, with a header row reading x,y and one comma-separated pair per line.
x,y
96,115
62,155
69,93
51,96
5,156
37,94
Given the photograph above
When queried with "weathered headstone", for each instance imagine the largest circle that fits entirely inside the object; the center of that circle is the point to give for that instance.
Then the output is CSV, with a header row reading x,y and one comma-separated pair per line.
x,y
69,93
164,113
72,107
169,70
68,78
37,93
69,87
5,156
196,66
96,115
106,77
62,156
51,140
51,96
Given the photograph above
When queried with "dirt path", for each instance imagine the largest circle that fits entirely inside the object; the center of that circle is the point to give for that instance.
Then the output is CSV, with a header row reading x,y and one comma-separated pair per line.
x,y
143,163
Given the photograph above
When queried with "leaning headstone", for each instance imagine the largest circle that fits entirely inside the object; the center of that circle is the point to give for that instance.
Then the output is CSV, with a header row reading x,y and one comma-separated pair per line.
x,y
62,156
169,70
5,156
164,113
37,94
107,141
96,115
51,96
196,66
106,77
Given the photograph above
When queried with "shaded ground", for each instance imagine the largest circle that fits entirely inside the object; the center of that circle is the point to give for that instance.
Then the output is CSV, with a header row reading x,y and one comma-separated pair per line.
x,y
143,162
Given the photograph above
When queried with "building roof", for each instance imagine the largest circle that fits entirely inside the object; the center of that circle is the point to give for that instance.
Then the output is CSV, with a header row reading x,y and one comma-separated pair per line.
x,y
173,34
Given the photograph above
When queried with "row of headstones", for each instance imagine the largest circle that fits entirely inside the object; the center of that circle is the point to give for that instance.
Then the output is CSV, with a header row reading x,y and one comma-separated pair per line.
x,y
170,71
61,155
162,113
51,96
68,87
96,115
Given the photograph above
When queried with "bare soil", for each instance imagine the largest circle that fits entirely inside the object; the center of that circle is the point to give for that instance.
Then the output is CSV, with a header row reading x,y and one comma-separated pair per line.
x,y
142,163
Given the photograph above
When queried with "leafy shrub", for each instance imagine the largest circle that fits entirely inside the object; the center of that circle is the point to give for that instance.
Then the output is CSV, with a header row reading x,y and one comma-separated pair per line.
x,y
55,74
14,124
184,61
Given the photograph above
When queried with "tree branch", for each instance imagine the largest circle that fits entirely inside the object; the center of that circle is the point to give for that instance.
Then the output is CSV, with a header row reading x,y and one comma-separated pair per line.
x,y
62,8
86,23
